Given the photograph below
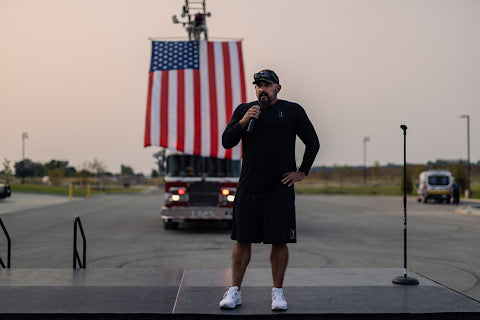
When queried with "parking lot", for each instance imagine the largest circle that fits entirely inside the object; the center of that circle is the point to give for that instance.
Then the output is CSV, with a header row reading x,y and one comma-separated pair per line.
x,y
125,231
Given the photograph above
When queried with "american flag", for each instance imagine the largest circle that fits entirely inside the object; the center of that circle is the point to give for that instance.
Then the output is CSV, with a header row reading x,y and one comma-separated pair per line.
x,y
193,88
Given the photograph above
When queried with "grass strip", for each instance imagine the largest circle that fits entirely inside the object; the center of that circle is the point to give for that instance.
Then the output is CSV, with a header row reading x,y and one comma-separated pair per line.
x,y
77,191
301,188
384,190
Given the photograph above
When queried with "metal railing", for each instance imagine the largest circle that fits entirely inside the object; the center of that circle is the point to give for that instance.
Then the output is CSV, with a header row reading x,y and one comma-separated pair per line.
x,y
9,244
76,256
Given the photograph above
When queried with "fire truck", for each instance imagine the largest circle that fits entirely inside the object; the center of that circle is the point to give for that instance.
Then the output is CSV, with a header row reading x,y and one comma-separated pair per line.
x,y
198,188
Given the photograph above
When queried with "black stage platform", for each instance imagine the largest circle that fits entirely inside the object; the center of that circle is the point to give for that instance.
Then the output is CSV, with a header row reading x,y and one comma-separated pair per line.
x,y
195,293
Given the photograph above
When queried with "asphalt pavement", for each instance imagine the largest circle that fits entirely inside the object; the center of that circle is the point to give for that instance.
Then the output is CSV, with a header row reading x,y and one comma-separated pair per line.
x,y
20,201
125,231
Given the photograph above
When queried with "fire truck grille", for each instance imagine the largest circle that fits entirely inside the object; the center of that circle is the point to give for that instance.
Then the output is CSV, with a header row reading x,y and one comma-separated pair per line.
x,y
203,194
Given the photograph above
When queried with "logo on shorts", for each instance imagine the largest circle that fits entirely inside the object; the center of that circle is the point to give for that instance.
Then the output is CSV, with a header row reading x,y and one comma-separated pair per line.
x,y
293,234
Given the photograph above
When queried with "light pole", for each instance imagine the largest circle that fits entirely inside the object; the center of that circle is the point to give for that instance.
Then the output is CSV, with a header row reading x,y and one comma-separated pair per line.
x,y
24,136
468,192
365,140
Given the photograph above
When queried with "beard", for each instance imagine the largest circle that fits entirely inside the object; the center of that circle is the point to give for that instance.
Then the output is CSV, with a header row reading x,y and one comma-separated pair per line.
x,y
264,103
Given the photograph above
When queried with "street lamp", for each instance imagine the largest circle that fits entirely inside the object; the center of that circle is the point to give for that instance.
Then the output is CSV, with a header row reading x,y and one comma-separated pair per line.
x,y
468,191
24,136
365,140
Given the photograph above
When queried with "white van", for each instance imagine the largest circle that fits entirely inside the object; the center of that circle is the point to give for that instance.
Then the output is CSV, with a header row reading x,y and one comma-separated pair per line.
x,y
435,184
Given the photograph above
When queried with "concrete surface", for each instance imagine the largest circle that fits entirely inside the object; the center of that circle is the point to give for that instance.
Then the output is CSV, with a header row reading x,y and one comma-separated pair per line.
x,y
192,293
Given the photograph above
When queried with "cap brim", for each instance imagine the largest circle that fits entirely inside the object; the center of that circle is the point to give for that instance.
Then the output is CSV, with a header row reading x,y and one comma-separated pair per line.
x,y
266,80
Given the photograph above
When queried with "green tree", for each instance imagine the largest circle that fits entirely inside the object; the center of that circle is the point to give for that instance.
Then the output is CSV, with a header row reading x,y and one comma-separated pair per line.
x,y
98,167
70,172
84,176
127,175
126,171
38,169
155,173
24,168
460,175
100,171
7,170
56,175
55,164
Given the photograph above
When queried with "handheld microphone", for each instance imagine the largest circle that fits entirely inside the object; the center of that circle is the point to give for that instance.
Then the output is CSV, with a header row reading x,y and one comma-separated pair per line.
x,y
252,121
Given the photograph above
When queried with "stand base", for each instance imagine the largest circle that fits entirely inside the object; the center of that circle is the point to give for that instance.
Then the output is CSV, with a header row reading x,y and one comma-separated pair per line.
x,y
405,280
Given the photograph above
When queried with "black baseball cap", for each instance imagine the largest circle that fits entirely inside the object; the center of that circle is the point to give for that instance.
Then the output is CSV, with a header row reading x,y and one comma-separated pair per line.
x,y
266,75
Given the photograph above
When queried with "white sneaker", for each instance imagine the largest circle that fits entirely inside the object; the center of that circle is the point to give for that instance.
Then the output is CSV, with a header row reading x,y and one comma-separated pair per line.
x,y
231,299
278,300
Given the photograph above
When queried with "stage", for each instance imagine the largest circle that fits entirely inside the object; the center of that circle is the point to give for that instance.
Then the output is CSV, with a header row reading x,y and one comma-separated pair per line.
x,y
194,294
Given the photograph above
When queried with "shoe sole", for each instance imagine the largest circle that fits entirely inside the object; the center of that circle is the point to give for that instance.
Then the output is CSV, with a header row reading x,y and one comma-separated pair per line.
x,y
278,309
229,308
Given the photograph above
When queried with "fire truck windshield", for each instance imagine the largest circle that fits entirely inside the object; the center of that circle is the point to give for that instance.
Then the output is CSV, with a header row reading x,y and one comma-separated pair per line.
x,y
183,165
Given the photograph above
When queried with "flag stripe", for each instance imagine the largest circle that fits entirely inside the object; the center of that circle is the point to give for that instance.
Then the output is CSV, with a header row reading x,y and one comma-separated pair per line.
x,y
164,109
148,120
197,147
205,95
220,91
228,90
155,128
213,100
236,92
172,109
181,110
243,89
189,112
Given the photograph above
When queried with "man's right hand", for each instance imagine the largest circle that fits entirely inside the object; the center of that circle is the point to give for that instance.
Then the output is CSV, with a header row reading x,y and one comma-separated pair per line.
x,y
253,112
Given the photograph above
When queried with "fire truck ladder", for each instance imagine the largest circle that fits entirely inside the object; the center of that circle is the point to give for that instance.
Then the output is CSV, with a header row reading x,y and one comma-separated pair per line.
x,y
196,14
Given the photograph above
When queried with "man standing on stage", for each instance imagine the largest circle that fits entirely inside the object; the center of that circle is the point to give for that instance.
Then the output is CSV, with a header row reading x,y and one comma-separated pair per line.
x,y
264,207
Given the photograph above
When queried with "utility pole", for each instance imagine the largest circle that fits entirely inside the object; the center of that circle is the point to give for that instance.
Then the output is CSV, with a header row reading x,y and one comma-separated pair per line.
x,y
365,140
468,192
24,136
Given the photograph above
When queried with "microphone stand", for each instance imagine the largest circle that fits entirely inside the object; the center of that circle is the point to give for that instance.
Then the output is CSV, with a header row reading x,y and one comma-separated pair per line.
x,y
405,279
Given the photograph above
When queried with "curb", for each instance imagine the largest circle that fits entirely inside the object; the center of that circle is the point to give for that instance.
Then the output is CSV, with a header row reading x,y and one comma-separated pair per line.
x,y
470,210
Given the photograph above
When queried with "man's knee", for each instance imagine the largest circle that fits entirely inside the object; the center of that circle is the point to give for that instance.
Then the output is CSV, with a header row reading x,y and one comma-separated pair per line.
x,y
242,248
279,247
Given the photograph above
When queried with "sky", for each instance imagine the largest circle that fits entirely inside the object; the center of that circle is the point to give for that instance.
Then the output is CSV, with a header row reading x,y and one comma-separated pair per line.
x,y
74,74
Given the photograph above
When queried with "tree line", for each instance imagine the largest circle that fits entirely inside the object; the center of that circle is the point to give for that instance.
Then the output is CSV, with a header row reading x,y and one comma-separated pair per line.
x,y
57,170
394,173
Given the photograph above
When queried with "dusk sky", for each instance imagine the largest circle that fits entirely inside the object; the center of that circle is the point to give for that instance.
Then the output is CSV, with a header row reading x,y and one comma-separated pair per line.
x,y
74,74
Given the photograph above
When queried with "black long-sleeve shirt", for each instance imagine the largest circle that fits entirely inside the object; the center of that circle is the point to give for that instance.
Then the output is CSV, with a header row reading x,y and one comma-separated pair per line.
x,y
269,150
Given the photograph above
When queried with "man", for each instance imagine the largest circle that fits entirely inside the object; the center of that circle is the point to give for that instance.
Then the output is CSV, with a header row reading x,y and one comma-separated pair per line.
x,y
456,189
264,207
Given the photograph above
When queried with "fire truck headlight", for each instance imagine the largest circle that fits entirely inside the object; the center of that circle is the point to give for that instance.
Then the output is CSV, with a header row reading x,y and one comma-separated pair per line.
x,y
175,197
230,198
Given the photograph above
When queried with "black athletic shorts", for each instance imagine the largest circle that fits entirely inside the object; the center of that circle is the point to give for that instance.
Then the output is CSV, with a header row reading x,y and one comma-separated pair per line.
x,y
267,217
